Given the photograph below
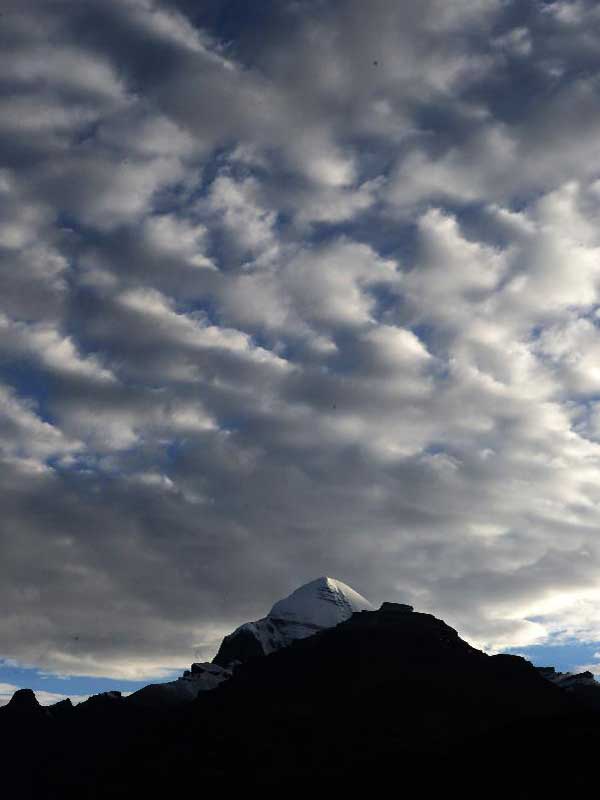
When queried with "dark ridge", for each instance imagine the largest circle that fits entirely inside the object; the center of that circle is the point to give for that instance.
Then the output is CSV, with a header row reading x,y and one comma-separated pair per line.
x,y
240,645
23,700
62,709
388,698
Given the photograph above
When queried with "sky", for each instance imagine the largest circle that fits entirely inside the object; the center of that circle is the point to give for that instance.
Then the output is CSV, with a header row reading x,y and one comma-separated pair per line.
x,y
291,289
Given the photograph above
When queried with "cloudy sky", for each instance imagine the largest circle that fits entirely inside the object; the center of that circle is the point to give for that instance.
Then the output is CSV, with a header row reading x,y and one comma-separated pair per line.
x,y
290,289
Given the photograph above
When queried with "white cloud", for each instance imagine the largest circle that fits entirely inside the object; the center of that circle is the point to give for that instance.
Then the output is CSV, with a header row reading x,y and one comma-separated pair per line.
x,y
24,434
178,239
250,225
67,66
324,306
45,344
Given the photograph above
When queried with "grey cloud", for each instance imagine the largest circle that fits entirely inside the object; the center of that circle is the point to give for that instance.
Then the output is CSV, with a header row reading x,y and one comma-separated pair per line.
x,y
304,291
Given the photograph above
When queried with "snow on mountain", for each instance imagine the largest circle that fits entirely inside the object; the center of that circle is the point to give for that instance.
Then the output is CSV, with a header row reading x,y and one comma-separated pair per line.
x,y
200,678
568,680
322,603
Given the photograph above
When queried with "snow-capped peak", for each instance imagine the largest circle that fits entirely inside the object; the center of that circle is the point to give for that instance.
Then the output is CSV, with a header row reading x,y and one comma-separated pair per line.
x,y
322,603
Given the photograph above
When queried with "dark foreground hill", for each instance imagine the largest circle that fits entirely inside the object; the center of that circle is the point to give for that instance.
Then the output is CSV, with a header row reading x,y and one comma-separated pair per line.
x,y
388,700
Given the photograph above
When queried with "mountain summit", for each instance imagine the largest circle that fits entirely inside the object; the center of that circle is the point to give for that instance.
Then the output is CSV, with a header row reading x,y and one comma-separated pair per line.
x,y
24,700
322,603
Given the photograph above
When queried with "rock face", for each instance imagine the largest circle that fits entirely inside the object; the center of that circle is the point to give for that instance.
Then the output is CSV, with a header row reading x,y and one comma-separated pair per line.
x,y
315,606
582,686
200,678
568,680
395,608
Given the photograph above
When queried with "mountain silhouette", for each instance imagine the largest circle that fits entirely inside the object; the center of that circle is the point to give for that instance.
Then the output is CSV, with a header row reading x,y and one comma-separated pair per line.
x,y
385,698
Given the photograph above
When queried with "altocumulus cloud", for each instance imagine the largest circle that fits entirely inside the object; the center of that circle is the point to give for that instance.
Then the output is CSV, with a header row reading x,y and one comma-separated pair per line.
x,y
291,289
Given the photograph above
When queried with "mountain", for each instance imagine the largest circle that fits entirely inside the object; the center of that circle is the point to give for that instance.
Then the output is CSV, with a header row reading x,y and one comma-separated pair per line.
x,y
200,678
568,680
580,685
322,603
24,701
386,700
315,606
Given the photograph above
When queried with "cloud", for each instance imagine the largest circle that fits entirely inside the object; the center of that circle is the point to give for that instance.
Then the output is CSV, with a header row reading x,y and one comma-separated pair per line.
x,y
327,305
24,434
